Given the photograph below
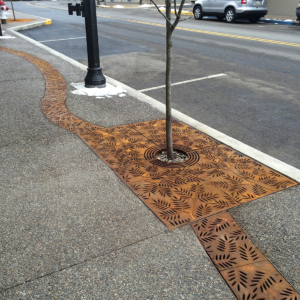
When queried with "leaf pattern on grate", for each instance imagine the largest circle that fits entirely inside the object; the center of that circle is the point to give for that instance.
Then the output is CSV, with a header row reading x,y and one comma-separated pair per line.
x,y
230,246
246,270
53,103
210,182
214,178
259,281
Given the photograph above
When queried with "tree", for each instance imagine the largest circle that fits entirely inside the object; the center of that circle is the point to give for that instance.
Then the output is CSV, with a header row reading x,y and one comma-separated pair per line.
x,y
169,31
12,8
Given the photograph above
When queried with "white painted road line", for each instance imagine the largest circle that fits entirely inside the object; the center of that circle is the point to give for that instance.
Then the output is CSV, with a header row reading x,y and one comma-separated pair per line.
x,y
182,82
266,159
81,37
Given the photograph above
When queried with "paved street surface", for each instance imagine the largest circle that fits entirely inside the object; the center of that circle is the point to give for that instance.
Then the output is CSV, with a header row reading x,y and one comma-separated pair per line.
x,y
259,92
71,229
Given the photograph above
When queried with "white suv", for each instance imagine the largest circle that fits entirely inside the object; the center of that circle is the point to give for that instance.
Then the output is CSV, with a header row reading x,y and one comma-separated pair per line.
x,y
231,10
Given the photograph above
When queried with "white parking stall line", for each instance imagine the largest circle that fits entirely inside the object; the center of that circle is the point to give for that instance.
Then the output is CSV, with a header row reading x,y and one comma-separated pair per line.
x,y
182,82
81,37
266,159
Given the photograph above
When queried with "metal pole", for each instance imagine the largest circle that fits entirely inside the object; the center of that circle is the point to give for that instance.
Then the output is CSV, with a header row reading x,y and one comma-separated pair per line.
x,y
94,77
0,30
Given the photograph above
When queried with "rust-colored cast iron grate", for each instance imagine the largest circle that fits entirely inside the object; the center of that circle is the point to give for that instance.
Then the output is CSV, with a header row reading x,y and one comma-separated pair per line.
x,y
246,270
53,103
212,179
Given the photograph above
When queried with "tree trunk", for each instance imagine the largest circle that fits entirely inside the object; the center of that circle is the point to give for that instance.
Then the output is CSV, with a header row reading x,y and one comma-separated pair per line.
x,y
168,83
12,7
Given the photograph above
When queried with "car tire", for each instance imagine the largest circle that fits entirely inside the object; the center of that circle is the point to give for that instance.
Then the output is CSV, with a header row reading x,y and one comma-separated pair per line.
x,y
254,20
198,14
230,16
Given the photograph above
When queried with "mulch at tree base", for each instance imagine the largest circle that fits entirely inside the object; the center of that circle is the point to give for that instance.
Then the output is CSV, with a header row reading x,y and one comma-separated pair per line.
x,y
19,20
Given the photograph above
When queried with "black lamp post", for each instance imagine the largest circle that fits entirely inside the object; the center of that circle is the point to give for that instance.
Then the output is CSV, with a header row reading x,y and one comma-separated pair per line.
x,y
94,77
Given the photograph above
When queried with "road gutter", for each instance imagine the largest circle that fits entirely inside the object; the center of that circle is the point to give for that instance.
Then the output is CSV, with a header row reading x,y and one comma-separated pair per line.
x,y
266,159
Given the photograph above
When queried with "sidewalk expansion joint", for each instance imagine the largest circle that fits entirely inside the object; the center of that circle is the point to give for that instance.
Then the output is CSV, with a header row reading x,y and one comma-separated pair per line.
x,y
30,140
83,262
214,178
19,79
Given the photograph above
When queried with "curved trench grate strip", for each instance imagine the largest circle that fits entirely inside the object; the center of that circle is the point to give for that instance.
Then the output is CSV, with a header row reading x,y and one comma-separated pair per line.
x,y
246,270
214,178
53,103
223,178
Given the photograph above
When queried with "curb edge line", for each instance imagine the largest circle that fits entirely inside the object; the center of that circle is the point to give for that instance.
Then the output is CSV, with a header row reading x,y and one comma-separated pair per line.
x,y
266,159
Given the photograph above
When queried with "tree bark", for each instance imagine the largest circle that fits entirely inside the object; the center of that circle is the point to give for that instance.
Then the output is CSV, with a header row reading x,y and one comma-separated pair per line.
x,y
169,28
168,82
12,7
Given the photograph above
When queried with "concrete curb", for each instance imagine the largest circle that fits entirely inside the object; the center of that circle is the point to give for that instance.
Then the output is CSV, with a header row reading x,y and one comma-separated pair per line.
x,y
186,13
280,22
31,25
103,6
266,159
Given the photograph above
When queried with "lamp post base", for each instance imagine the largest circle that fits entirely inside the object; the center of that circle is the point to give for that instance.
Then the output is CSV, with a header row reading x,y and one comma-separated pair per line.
x,y
94,78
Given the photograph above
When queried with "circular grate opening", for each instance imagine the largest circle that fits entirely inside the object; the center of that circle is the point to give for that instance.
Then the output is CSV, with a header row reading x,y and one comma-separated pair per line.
x,y
178,156
192,157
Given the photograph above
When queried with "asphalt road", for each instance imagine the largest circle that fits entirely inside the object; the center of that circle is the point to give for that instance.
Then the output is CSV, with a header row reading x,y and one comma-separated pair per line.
x,y
257,102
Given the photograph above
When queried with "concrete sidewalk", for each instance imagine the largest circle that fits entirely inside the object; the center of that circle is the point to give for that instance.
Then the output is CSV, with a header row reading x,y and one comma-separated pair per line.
x,y
71,229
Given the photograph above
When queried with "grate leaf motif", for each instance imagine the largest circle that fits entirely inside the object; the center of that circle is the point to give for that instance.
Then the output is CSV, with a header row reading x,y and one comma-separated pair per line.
x,y
246,270
217,176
